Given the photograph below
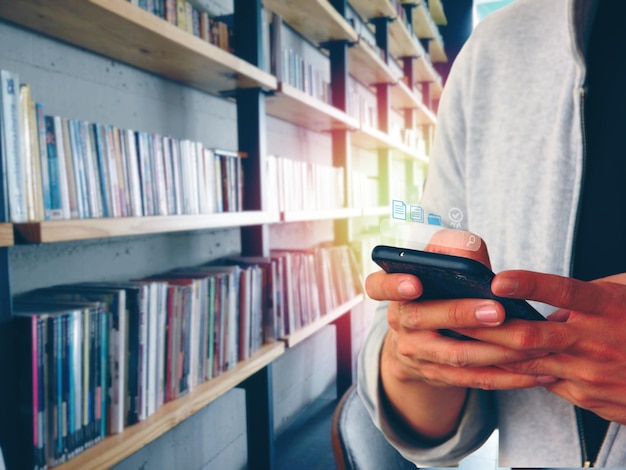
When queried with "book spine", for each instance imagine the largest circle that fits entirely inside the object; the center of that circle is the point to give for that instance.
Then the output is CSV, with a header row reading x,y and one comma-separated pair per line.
x,y
53,176
44,150
12,147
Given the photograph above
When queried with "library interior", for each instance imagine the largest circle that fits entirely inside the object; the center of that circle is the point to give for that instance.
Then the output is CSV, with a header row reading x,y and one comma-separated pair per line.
x,y
191,192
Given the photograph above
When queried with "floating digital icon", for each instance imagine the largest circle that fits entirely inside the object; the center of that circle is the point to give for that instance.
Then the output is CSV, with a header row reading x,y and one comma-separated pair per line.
x,y
417,214
456,216
470,241
398,209
434,219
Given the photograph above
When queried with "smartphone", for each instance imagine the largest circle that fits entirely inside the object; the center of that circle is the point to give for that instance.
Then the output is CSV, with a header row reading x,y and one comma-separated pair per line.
x,y
449,277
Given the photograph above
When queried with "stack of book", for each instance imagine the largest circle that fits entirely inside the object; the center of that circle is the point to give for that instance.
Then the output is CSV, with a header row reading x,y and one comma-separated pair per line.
x,y
96,357
58,168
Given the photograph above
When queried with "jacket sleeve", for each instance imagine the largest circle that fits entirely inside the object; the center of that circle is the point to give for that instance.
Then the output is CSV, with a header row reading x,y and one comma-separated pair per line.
x,y
476,426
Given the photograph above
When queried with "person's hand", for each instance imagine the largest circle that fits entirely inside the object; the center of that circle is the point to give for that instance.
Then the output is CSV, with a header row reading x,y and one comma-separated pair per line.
x,y
586,339
424,373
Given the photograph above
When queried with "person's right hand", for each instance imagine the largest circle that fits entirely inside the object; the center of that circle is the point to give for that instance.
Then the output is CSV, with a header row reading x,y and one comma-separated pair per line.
x,y
425,374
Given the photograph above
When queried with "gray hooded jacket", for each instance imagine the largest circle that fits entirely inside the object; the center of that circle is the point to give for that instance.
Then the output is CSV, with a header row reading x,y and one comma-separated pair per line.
x,y
509,153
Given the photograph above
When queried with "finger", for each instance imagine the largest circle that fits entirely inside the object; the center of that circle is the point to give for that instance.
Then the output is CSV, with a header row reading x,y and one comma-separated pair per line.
x,y
484,378
558,291
459,243
526,335
435,348
383,286
449,314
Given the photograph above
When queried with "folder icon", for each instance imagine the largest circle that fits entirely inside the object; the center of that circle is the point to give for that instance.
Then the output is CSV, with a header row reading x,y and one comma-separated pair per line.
x,y
434,219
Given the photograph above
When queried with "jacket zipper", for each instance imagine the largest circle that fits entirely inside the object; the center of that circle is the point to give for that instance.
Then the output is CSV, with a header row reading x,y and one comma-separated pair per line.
x,y
586,463
581,435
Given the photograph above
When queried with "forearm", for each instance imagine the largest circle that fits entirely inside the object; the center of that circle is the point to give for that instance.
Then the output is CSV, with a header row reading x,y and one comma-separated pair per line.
x,y
430,412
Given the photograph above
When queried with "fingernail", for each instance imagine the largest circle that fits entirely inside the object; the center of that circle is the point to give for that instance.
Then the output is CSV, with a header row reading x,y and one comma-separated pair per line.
x,y
407,289
546,379
487,314
507,286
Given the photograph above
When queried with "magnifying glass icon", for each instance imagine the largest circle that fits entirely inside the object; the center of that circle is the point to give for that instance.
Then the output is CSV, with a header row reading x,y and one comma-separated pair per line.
x,y
470,241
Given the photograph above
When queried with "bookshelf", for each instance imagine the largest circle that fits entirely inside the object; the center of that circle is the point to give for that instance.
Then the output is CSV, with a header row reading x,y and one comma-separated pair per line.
x,y
116,448
305,332
120,31
295,106
83,229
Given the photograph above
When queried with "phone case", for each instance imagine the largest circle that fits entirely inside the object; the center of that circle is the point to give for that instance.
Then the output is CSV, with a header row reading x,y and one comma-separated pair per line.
x,y
449,277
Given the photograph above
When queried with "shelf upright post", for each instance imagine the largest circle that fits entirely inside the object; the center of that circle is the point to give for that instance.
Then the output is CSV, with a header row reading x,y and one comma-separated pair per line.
x,y
8,394
251,123
383,102
341,148
251,131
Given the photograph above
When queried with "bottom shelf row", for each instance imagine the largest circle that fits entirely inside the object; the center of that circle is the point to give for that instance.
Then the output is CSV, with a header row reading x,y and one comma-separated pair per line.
x,y
132,359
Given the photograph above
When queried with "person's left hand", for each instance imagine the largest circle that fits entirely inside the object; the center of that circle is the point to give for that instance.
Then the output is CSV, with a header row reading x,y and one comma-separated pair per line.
x,y
585,339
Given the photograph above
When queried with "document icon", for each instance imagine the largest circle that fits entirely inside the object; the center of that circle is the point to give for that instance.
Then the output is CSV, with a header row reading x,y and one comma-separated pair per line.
x,y
398,209
434,219
417,214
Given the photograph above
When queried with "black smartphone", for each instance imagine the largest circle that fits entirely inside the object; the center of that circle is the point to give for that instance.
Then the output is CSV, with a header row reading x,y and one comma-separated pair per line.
x,y
449,277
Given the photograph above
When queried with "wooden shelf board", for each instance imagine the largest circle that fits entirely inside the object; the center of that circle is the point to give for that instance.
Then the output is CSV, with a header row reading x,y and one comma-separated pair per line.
x,y
436,51
124,32
303,216
369,9
374,139
82,229
437,12
116,448
376,211
425,28
401,42
6,234
423,71
316,20
367,66
305,332
301,109
402,97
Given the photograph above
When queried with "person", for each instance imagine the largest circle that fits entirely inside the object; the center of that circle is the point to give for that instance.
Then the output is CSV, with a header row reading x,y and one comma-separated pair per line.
x,y
530,148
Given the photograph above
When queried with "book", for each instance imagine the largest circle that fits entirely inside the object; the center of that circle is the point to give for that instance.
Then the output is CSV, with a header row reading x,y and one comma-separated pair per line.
x,y
13,164
44,148
65,177
55,177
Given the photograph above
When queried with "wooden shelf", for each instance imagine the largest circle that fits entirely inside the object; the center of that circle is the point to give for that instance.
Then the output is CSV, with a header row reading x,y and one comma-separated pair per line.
x,y
316,20
124,32
301,109
304,332
437,12
367,66
374,139
6,234
425,28
116,448
369,9
402,97
376,211
331,214
82,229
